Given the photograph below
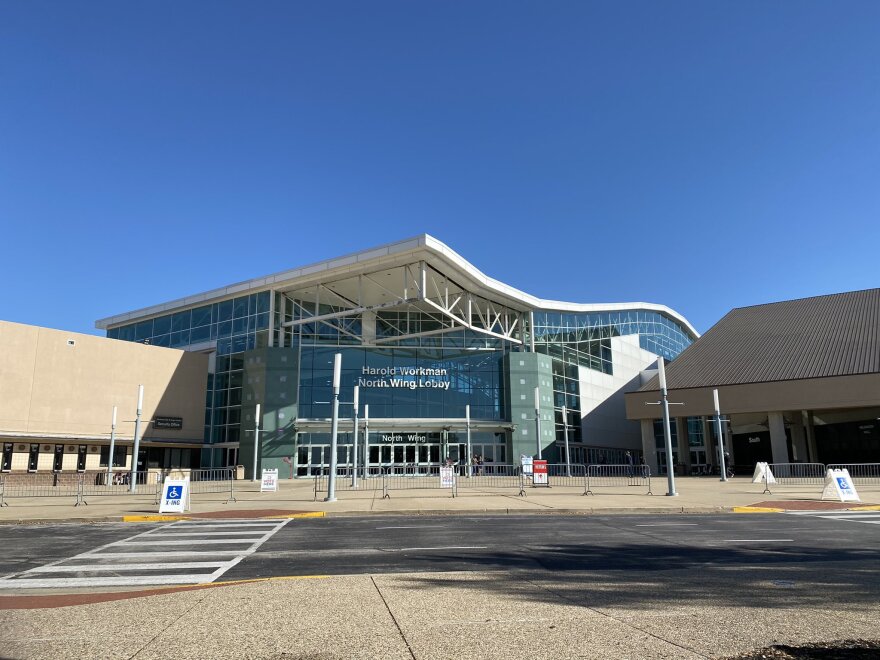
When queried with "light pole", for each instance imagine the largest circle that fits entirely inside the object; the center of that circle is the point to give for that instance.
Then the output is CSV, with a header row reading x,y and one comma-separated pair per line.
x,y
112,445
467,422
132,487
565,435
719,433
667,430
334,428
256,441
538,420
354,462
366,440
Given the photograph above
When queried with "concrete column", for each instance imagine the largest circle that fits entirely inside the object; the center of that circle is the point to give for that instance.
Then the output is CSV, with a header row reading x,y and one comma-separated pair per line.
x,y
778,444
708,442
798,441
684,450
649,445
810,434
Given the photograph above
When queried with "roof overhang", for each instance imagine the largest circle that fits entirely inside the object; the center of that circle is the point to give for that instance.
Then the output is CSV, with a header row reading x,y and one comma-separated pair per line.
x,y
420,248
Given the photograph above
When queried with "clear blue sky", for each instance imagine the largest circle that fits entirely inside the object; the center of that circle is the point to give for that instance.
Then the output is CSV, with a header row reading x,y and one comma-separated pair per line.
x,y
704,155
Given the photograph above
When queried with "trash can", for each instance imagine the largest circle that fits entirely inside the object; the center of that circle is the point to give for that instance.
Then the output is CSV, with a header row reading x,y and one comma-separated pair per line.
x,y
239,471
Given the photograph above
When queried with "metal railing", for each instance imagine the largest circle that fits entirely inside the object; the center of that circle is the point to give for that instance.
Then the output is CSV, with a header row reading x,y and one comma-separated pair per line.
x,y
862,474
617,476
80,485
794,474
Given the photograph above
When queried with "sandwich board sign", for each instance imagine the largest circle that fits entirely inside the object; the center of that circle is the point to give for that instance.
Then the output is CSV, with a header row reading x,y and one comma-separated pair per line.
x,y
269,481
526,462
839,486
175,496
763,474
539,473
447,476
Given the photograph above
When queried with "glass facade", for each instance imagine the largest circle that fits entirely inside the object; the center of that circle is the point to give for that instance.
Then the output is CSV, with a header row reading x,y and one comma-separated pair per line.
x,y
417,364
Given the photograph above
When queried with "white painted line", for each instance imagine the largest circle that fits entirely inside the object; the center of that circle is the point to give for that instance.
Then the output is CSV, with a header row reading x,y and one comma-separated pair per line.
x,y
22,580
669,525
194,542
200,534
153,555
448,547
46,583
416,527
128,567
234,525
756,540
851,516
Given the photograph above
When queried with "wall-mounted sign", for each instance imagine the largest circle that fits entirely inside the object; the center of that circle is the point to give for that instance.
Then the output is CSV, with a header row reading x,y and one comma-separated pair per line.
x,y
403,437
409,377
174,423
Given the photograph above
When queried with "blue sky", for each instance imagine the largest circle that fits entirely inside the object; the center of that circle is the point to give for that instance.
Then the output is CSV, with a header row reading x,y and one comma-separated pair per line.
x,y
703,155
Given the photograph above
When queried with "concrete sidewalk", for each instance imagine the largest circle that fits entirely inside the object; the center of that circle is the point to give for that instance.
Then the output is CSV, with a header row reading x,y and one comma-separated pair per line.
x,y
696,495
518,614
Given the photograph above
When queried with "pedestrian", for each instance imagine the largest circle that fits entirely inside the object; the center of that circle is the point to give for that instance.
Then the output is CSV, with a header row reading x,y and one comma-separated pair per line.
x,y
629,464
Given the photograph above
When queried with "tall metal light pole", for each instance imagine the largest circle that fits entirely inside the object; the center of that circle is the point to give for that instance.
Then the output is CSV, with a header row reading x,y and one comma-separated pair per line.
x,y
538,420
565,435
334,428
366,440
132,487
667,430
354,462
256,441
467,423
112,445
719,433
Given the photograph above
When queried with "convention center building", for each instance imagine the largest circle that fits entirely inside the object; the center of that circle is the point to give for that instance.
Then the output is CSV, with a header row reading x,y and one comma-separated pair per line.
x,y
439,353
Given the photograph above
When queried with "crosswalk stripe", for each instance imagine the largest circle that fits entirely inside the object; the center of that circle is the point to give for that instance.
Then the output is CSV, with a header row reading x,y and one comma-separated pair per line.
x,y
864,517
154,571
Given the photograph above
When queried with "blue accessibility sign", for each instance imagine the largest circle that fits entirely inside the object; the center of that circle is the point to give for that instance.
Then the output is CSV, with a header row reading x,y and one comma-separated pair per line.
x,y
173,493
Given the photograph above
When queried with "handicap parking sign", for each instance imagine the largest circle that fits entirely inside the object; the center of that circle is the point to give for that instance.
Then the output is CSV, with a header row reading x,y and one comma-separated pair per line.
x,y
174,496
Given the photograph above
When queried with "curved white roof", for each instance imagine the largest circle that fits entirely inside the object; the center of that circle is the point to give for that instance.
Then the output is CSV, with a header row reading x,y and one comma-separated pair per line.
x,y
420,247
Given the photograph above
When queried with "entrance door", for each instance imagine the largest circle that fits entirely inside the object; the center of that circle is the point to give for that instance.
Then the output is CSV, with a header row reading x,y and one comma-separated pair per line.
x,y
81,458
59,458
7,457
33,458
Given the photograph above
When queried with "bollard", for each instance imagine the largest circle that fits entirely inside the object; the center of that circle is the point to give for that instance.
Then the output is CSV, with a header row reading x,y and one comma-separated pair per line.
x,y
231,489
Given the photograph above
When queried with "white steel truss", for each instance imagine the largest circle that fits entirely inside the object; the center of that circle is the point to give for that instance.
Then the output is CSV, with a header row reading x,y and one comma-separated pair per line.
x,y
349,304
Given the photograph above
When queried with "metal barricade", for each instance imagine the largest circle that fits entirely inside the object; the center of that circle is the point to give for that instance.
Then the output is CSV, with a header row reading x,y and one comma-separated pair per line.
x,y
862,474
345,480
488,476
428,478
48,484
795,474
602,476
563,474
117,483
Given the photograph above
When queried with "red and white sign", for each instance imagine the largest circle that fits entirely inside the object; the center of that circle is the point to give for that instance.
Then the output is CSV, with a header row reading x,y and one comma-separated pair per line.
x,y
539,473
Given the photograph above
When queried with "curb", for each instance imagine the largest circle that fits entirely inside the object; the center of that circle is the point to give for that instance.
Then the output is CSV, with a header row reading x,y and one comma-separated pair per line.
x,y
163,518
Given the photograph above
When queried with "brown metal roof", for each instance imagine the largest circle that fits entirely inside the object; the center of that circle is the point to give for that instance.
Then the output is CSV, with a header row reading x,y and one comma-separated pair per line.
x,y
834,335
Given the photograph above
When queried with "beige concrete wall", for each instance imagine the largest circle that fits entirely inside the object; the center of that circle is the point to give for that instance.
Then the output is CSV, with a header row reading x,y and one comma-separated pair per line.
x,y
813,394
51,386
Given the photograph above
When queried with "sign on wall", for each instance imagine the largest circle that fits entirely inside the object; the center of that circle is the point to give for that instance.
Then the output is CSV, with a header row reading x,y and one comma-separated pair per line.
x,y
172,423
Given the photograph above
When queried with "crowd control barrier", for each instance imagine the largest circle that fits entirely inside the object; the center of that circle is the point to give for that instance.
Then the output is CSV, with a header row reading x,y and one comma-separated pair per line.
x,y
80,485
602,476
862,474
794,474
